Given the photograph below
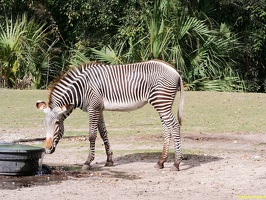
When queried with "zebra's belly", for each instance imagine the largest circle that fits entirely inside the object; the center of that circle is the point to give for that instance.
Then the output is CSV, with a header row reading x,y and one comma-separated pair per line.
x,y
126,106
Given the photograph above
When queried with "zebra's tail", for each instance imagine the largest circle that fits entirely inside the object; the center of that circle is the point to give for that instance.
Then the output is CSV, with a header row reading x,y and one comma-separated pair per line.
x,y
181,102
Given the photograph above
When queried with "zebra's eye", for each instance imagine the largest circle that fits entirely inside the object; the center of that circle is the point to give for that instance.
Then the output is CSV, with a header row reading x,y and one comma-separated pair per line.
x,y
57,123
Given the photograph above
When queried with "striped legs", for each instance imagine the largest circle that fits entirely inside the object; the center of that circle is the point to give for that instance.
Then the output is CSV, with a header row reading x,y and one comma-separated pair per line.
x,y
167,137
97,121
93,120
162,101
177,147
170,129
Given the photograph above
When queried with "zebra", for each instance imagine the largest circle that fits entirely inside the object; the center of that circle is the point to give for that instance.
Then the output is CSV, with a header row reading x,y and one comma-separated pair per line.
x,y
96,87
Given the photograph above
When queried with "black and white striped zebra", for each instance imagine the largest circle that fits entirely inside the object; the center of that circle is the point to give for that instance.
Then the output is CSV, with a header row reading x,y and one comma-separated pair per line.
x,y
98,87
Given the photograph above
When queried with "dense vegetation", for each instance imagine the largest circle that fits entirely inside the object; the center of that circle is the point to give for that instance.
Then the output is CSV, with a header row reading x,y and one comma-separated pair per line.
x,y
215,44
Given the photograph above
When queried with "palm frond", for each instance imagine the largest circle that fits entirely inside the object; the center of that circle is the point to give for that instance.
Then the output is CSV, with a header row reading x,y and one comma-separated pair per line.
x,y
226,84
109,55
77,57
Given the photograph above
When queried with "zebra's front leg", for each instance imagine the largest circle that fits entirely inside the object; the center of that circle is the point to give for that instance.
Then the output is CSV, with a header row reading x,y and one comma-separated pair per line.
x,y
91,156
94,118
104,136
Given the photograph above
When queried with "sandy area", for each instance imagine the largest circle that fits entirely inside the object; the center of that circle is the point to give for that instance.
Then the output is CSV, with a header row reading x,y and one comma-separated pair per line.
x,y
220,166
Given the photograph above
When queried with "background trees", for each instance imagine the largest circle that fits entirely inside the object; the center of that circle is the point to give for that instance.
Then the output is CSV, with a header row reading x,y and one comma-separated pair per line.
x,y
216,45
248,20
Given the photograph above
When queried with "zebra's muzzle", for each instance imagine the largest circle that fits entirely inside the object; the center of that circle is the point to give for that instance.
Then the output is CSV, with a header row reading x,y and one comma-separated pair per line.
x,y
49,148
49,151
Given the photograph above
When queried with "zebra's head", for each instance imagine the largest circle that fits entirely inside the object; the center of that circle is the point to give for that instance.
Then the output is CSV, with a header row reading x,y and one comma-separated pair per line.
x,y
54,124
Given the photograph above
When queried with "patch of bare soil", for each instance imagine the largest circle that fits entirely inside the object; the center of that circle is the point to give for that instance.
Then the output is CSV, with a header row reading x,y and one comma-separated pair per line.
x,y
220,166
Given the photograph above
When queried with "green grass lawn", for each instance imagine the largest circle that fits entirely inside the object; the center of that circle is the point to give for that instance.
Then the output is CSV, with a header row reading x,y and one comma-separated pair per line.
x,y
204,112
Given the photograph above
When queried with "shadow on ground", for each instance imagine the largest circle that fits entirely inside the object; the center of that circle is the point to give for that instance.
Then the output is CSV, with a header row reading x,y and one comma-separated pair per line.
x,y
64,172
189,161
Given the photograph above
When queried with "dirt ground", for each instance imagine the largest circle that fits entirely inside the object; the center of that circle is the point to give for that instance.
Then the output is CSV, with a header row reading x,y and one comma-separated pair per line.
x,y
218,166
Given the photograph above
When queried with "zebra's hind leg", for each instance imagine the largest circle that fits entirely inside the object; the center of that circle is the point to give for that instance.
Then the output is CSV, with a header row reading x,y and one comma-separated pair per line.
x,y
177,147
104,136
170,128
164,155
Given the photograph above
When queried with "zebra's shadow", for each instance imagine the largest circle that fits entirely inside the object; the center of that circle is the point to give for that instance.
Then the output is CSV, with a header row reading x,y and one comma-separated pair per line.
x,y
189,161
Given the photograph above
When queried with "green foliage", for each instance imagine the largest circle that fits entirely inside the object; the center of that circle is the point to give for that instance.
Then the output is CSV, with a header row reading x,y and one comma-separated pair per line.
x,y
200,53
207,41
77,57
24,51
225,84
248,19
107,54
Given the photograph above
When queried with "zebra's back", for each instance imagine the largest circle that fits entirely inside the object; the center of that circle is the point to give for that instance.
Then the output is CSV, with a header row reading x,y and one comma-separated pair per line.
x,y
128,87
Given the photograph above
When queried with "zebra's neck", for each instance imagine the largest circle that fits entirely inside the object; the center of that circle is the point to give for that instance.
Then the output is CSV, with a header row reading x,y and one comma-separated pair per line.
x,y
61,98
66,92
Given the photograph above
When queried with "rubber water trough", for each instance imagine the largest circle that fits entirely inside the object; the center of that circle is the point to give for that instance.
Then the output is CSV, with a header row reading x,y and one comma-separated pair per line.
x,y
21,160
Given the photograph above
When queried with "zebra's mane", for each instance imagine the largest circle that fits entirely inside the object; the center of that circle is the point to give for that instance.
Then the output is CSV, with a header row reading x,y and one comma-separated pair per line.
x,y
52,86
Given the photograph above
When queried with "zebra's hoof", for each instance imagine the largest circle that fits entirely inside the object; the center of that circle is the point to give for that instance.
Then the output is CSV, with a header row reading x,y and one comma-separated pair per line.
x,y
174,168
159,166
109,164
86,167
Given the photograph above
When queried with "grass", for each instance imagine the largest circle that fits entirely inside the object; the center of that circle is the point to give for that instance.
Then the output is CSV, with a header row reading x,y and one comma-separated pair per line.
x,y
204,112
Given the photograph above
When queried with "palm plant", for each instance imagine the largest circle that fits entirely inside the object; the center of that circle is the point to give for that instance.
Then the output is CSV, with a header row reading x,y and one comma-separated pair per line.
x,y
109,55
24,50
159,33
11,40
77,57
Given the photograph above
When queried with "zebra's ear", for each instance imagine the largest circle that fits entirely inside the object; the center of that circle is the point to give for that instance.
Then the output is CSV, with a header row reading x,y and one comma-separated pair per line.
x,y
66,108
41,105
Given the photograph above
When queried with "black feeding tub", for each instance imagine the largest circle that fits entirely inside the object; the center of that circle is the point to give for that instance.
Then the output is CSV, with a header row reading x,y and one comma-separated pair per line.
x,y
20,160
